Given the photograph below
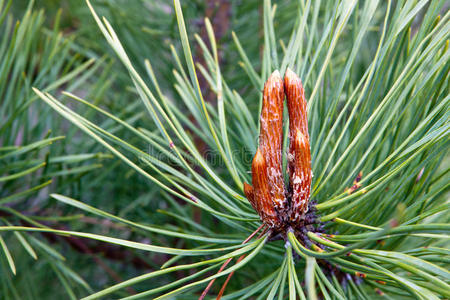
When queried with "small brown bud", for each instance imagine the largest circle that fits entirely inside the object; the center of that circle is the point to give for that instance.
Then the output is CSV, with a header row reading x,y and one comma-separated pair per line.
x,y
358,178
261,192
248,191
379,292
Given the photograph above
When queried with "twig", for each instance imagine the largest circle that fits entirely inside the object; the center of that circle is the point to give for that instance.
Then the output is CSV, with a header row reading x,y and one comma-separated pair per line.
x,y
208,287
222,290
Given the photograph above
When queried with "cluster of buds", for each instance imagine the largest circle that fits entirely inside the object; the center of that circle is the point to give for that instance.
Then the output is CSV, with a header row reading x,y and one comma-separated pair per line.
x,y
280,207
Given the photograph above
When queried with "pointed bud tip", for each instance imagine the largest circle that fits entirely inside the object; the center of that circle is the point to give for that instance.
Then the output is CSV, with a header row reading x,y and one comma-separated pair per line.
x,y
247,188
276,73
258,158
289,72
274,87
290,75
274,78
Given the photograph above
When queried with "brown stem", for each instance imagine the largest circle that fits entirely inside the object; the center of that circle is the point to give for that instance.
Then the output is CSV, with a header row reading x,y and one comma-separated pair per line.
x,y
222,290
208,287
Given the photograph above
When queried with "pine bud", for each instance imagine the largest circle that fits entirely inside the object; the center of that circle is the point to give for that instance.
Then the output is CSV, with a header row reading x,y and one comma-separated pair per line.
x,y
271,137
268,195
299,154
262,200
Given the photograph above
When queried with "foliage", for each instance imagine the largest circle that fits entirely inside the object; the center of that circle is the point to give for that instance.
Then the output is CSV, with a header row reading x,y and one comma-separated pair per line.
x,y
32,157
376,78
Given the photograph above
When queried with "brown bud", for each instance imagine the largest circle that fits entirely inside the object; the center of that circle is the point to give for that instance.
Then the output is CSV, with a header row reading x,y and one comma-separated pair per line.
x,y
261,191
271,137
300,177
268,195
296,103
299,154
248,191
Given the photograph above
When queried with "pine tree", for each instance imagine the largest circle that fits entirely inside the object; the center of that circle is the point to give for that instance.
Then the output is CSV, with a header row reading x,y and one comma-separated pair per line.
x,y
375,80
